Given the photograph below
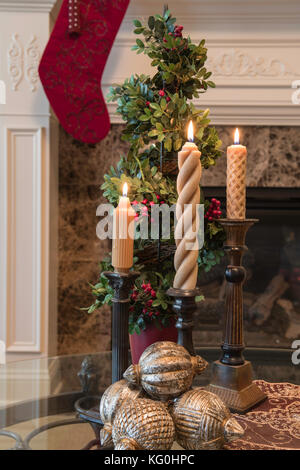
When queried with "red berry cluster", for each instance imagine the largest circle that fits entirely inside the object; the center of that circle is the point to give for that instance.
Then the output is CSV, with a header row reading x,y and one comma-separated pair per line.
x,y
146,296
147,288
143,208
214,211
178,31
163,93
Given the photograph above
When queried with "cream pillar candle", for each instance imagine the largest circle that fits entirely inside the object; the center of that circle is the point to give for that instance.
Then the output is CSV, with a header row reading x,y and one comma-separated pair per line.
x,y
188,180
123,234
236,180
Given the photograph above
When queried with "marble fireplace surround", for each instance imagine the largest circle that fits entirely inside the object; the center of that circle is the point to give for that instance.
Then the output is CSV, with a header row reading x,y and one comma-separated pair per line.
x,y
273,161
253,52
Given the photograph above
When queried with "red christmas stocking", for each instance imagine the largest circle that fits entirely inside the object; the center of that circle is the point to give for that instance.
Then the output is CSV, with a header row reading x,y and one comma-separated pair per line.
x,y
73,61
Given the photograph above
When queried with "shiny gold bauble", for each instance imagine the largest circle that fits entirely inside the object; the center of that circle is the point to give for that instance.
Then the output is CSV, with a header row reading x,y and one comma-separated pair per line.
x,y
111,400
203,421
165,370
143,424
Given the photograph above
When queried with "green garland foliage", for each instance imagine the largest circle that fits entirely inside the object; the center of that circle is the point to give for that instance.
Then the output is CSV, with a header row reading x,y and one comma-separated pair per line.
x,y
156,111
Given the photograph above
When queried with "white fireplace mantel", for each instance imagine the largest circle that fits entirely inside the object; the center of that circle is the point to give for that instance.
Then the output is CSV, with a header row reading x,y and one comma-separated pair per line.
x,y
27,6
253,51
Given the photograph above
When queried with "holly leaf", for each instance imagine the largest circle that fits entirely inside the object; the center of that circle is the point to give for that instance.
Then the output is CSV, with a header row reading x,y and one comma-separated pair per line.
x,y
177,144
155,106
153,133
137,329
144,117
140,43
163,104
168,144
138,30
199,133
151,22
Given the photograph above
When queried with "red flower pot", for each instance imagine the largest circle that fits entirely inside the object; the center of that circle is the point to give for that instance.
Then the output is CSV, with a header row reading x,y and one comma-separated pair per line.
x,y
138,343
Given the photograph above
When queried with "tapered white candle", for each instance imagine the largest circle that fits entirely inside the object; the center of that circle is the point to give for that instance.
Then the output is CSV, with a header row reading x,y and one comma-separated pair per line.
x,y
236,179
123,234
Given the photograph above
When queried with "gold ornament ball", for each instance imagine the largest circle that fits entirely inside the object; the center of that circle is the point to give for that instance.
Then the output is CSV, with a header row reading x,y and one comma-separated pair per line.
x,y
111,400
203,421
165,370
143,424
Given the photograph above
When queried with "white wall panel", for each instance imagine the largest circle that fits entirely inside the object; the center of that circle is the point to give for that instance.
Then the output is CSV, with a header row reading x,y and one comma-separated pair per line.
x,y
24,170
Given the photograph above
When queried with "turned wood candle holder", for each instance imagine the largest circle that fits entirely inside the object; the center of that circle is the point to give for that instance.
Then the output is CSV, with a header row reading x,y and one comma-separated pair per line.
x,y
121,283
232,375
185,306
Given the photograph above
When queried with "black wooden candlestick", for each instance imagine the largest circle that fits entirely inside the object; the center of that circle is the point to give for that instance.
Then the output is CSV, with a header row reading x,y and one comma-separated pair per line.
x,y
232,375
121,283
184,306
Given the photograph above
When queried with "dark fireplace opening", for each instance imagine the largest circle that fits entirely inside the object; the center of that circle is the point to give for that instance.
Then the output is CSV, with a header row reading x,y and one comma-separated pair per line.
x,y
272,262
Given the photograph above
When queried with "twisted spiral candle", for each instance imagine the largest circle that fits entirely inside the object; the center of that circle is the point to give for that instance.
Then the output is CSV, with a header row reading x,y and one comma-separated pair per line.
x,y
187,227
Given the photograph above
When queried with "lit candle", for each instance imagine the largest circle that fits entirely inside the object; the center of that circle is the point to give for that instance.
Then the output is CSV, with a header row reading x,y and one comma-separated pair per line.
x,y
123,234
188,180
236,179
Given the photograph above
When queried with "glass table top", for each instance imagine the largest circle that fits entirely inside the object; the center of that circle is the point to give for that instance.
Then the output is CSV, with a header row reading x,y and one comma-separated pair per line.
x,y
42,400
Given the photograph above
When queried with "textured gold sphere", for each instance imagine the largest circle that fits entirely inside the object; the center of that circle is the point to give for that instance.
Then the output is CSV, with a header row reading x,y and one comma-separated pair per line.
x,y
111,400
143,424
203,421
165,370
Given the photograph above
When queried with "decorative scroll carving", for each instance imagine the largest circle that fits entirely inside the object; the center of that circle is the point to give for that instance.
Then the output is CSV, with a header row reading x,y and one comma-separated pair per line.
x,y
236,63
15,62
32,60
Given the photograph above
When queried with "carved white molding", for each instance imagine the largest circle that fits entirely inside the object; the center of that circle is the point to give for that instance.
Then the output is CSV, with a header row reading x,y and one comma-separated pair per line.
x,y
235,10
228,114
24,62
253,52
34,6
32,59
15,62
24,177
236,63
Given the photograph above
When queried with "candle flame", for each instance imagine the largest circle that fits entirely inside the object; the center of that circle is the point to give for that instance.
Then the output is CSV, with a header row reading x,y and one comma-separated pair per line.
x,y
125,189
236,137
191,132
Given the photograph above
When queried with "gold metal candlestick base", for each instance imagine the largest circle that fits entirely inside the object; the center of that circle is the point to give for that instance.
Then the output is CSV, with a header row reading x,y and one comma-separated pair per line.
x,y
233,384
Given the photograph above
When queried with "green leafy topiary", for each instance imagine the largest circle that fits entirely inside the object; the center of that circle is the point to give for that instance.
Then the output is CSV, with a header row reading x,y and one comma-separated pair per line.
x,y
156,111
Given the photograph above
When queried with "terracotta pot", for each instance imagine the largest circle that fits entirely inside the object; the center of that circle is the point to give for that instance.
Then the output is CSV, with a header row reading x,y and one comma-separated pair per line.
x,y
138,343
